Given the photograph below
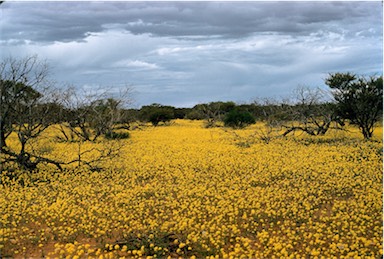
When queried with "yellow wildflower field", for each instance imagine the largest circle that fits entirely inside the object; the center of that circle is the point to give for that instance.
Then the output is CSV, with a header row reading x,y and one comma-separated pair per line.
x,y
187,191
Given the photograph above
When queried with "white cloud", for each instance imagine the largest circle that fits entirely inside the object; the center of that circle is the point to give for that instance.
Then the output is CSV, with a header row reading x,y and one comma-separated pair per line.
x,y
128,63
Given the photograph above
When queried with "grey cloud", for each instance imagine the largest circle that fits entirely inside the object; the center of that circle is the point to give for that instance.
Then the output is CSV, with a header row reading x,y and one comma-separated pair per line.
x,y
182,53
232,19
74,21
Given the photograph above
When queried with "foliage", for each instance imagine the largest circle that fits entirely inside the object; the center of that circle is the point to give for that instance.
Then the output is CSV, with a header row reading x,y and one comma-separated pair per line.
x,y
181,113
238,119
213,112
117,135
157,113
185,191
161,115
359,99
194,115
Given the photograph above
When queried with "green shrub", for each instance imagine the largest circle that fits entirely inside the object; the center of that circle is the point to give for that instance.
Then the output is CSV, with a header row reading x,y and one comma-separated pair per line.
x,y
156,113
161,115
238,119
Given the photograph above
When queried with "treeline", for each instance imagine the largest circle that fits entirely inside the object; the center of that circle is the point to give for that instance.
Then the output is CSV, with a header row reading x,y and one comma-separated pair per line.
x,y
105,116
29,104
215,112
356,100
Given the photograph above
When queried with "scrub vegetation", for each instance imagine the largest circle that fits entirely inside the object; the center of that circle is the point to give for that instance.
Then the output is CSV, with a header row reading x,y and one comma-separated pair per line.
x,y
83,176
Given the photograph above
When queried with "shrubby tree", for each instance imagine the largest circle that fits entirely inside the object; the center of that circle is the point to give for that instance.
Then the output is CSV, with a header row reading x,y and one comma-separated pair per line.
x,y
273,114
238,119
87,116
359,99
194,114
181,113
271,111
128,117
27,105
214,111
310,113
156,113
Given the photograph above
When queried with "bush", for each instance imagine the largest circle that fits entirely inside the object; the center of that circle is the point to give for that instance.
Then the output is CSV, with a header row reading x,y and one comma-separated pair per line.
x,y
156,113
238,119
116,135
194,115
161,115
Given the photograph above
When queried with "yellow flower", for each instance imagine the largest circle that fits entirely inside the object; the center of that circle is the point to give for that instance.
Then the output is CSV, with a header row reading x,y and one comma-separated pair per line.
x,y
284,199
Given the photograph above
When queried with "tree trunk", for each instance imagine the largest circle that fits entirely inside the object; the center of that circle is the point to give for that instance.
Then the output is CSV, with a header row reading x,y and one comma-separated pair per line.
x,y
3,144
367,132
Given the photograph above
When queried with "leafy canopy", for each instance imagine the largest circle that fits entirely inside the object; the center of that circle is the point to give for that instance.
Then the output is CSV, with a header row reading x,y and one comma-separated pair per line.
x,y
359,99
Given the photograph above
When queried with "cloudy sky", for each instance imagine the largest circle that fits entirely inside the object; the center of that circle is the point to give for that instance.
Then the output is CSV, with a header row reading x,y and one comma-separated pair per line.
x,y
184,53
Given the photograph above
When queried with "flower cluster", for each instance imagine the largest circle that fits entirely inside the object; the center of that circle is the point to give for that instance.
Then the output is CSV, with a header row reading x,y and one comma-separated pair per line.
x,y
186,191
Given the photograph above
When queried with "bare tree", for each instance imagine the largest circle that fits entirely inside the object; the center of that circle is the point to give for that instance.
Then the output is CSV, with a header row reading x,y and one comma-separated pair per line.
x,y
29,105
310,113
214,111
89,115
22,83
25,106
